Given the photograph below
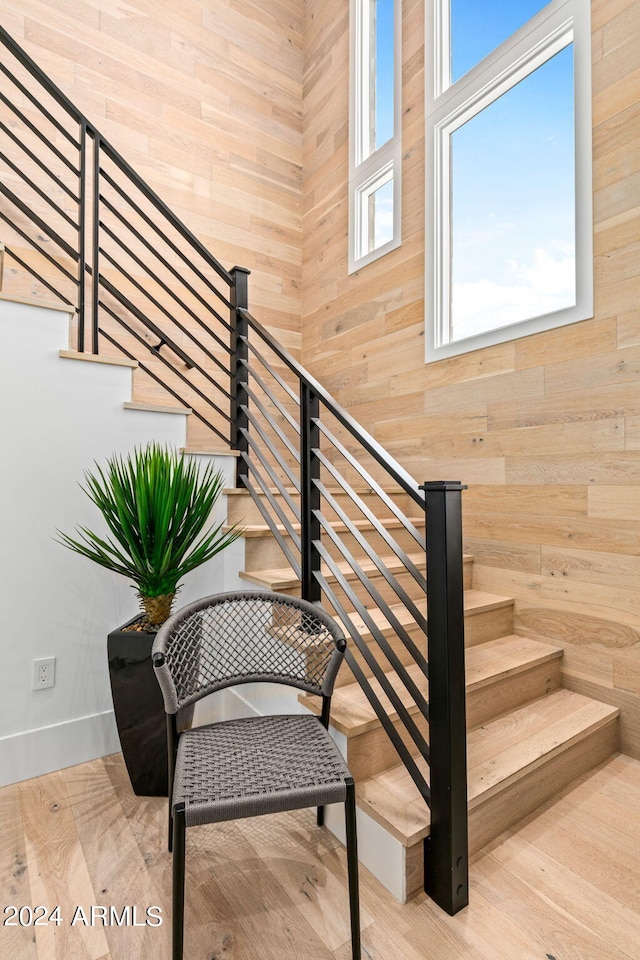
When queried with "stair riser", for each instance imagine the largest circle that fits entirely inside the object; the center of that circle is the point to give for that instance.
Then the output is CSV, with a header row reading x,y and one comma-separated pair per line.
x,y
263,552
242,508
473,625
372,752
508,693
488,625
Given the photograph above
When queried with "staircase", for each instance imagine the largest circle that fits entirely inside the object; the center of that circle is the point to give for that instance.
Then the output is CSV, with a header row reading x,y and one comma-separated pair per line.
x,y
328,514
527,737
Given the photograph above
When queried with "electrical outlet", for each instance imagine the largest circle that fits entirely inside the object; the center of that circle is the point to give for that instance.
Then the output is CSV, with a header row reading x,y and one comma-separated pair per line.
x,y
44,673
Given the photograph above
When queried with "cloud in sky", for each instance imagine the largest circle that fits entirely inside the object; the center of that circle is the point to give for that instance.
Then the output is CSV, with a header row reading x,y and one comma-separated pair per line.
x,y
546,284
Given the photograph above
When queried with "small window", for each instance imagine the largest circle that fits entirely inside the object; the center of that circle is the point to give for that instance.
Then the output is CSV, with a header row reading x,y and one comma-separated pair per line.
x,y
374,176
509,249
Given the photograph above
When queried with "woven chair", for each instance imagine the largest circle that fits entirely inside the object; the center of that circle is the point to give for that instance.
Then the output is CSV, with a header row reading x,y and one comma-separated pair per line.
x,y
255,765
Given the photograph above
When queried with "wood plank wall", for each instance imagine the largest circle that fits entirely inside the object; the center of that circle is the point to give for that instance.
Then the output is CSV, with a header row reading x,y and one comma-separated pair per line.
x,y
209,102
205,101
545,430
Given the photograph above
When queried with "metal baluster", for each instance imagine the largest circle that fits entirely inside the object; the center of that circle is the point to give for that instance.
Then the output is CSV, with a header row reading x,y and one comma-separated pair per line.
x,y
239,371
446,849
309,492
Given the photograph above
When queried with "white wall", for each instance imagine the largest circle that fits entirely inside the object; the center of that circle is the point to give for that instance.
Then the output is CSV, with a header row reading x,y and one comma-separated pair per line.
x,y
58,417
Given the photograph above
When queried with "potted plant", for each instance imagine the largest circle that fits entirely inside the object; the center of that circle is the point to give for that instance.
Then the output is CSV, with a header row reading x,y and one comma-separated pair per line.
x,y
157,506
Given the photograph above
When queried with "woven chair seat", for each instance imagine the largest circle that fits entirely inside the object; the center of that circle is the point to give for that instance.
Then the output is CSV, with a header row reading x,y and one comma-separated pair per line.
x,y
257,765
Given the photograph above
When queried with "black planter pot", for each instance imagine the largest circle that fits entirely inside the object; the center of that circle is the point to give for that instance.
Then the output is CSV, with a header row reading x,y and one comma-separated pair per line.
x,y
139,710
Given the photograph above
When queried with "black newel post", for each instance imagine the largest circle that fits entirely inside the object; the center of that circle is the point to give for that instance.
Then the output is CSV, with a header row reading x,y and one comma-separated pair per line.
x,y
309,493
446,849
82,234
95,241
239,296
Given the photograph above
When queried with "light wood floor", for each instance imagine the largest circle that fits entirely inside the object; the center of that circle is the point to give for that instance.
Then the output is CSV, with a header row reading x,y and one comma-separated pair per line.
x,y
564,886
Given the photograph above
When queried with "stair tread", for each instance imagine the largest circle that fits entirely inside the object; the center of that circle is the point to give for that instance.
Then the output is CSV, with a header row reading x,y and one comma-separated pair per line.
x,y
352,714
284,578
499,754
156,407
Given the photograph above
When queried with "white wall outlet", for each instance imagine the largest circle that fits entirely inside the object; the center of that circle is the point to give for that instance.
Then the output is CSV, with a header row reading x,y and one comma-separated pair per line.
x,y
44,673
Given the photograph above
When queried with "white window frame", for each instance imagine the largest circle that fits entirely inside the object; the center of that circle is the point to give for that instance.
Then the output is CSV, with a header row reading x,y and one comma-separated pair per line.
x,y
449,106
369,171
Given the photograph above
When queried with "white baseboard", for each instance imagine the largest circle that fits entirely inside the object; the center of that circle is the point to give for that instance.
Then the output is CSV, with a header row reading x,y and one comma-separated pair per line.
x,y
36,752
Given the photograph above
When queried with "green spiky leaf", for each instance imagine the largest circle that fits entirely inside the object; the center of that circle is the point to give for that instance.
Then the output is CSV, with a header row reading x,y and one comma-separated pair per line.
x,y
157,506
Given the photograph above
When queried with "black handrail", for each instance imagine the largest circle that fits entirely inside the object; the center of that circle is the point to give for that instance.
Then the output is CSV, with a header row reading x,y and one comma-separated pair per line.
x,y
300,453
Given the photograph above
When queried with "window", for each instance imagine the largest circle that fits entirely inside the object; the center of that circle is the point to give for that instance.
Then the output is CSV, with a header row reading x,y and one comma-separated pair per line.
x,y
374,131
508,145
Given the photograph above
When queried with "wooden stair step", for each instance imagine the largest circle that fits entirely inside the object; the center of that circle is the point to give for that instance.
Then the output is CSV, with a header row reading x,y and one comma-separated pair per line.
x,y
488,664
284,578
476,602
478,605
157,407
264,530
564,732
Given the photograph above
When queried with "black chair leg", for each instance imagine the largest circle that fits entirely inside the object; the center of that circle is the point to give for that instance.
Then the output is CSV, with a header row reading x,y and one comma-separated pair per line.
x,y
170,830
352,867
179,839
320,817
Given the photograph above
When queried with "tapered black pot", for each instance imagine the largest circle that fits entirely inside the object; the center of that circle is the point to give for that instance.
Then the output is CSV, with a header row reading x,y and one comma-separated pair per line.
x,y
139,710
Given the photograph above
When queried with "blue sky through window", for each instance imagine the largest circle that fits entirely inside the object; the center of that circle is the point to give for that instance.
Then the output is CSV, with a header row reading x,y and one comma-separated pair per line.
x,y
384,92
478,26
513,204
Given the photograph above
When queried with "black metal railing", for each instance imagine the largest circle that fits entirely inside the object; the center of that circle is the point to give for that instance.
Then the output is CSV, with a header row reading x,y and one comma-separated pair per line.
x,y
349,520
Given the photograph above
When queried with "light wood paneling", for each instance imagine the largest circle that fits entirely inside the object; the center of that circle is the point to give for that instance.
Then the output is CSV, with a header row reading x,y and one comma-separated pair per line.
x,y
205,102
544,430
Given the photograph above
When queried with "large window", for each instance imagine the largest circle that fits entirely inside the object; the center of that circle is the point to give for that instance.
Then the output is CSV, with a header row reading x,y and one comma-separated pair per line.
x,y
508,145
374,131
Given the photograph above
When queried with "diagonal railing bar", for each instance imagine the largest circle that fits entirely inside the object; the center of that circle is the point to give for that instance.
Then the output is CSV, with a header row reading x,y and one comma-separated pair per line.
x,y
378,525
156,279
282,490
38,133
276,376
150,223
263,436
387,611
366,441
39,106
41,193
142,318
34,273
153,250
255,400
267,517
159,307
372,697
387,686
40,223
150,373
38,162
150,347
23,57
374,485
36,246
362,541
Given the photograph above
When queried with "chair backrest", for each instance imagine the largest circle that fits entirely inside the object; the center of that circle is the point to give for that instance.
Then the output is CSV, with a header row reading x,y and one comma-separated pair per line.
x,y
243,637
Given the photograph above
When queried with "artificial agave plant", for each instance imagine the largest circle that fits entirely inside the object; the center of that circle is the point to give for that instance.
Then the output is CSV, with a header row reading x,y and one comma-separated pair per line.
x,y
157,504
